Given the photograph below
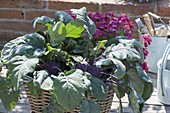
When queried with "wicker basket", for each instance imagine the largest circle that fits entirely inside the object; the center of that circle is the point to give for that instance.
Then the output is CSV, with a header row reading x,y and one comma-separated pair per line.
x,y
43,101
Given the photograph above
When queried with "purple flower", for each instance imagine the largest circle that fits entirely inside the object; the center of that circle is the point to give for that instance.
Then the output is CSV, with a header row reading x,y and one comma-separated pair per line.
x,y
111,26
145,52
145,66
146,39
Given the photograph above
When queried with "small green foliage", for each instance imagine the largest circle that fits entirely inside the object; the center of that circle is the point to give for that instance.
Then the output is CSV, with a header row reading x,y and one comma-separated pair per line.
x,y
8,94
89,106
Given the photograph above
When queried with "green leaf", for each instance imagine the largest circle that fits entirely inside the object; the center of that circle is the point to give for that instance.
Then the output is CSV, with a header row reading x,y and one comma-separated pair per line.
x,y
34,89
43,80
148,85
101,44
98,88
120,68
0,65
98,49
31,45
141,82
82,16
42,20
19,67
57,33
86,79
124,52
69,90
104,62
89,106
8,95
74,29
136,101
77,58
136,44
54,107
63,17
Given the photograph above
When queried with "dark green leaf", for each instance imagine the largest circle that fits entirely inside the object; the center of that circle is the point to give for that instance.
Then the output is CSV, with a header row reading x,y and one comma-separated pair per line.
x,y
86,80
148,85
19,67
98,88
82,16
74,29
141,82
70,90
34,89
8,95
89,106
124,52
43,80
42,20
31,45
120,68
104,62
63,16
57,33
136,101
0,65
134,43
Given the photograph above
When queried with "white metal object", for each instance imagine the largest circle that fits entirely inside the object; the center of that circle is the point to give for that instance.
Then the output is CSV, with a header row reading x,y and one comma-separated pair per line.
x,y
163,80
156,50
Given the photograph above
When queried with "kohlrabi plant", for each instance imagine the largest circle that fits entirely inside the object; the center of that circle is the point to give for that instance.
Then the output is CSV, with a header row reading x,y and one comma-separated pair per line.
x,y
64,57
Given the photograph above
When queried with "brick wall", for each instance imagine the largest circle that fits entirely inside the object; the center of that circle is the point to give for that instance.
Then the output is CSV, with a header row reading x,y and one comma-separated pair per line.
x,y
16,15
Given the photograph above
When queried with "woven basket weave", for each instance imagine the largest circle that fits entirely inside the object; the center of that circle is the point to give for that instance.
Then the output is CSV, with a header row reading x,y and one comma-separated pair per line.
x,y
43,101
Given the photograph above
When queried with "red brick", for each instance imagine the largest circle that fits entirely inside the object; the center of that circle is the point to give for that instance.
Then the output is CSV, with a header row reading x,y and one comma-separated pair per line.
x,y
131,9
16,26
7,36
10,14
76,1
30,15
60,5
22,3
163,11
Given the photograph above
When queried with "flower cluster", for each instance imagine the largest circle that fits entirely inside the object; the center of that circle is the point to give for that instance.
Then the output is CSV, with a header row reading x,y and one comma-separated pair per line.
x,y
109,25
146,38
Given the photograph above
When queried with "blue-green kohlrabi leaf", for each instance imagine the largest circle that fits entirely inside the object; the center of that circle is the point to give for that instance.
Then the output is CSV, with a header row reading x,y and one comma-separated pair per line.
x,y
30,45
98,88
122,52
136,101
82,16
74,29
89,106
120,68
41,80
70,89
142,83
19,67
57,33
8,95
134,43
42,20
63,17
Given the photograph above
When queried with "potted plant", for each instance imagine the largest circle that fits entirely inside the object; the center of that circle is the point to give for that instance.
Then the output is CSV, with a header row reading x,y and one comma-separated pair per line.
x,y
64,58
